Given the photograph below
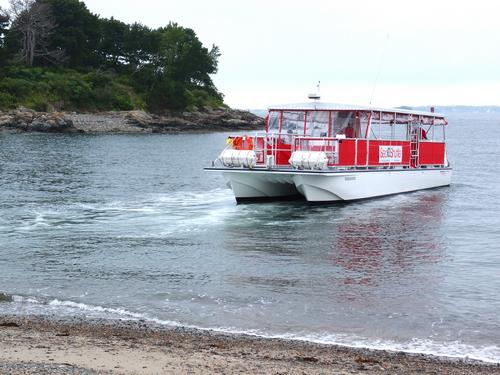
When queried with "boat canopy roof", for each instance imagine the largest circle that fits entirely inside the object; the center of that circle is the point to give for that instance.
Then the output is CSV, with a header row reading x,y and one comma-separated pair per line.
x,y
398,113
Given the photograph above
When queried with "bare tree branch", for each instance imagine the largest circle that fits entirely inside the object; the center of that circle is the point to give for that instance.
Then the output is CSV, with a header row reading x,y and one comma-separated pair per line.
x,y
4,17
34,22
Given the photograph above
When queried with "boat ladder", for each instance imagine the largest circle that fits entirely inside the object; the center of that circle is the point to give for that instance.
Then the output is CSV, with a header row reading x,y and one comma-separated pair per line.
x,y
414,145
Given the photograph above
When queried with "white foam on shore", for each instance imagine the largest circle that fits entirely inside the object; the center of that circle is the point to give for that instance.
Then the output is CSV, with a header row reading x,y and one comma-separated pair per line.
x,y
459,350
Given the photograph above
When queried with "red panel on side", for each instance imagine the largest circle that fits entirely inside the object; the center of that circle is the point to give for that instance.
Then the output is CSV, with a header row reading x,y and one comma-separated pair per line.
x,y
348,147
283,153
431,153
347,152
361,153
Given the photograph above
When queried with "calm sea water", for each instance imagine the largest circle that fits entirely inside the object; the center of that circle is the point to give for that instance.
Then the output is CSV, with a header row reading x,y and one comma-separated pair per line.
x,y
131,227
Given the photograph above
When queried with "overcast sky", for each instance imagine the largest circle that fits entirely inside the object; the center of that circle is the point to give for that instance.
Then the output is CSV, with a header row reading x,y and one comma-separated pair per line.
x,y
433,52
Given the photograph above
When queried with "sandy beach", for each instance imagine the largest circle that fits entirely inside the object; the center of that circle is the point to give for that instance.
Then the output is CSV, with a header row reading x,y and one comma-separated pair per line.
x,y
35,345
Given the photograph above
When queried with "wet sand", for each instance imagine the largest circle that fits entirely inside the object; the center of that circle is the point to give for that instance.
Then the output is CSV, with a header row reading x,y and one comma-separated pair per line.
x,y
35,345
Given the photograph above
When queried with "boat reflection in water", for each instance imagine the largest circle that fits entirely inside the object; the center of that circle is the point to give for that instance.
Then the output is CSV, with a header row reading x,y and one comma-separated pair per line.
x,y
370,269
370,251
390,241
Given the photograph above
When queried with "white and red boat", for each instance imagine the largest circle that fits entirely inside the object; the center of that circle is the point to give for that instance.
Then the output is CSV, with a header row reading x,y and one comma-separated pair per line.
x,y
329,152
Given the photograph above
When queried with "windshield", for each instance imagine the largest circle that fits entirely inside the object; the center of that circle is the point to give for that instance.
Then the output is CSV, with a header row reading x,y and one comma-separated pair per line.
x,y
293,123
319,123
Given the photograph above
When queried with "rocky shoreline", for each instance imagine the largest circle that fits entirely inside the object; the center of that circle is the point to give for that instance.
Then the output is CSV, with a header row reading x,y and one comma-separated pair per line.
x,y
45,345
223,119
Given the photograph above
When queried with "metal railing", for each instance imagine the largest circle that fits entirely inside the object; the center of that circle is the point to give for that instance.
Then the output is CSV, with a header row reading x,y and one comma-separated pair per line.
x,y
275,149
330,146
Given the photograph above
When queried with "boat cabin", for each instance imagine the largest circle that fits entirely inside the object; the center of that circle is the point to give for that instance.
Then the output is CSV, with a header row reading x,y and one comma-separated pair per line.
x,y
327,153
350,137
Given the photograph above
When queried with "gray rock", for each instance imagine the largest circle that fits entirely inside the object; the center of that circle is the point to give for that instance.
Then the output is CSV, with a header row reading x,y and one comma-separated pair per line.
x,y
210,119
23,119
5,298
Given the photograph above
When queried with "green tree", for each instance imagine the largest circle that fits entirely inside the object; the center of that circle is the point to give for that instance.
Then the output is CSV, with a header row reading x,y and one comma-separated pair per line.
x,y
141,44
111,48
4,24
76,32
183,58
179,66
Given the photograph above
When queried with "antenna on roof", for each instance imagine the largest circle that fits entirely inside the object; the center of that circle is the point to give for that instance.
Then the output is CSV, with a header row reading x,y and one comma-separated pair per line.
x,y
316,96
382,54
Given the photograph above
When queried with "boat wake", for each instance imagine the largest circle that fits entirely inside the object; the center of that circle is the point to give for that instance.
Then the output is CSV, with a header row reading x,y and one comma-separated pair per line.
x,y
178,211
22,306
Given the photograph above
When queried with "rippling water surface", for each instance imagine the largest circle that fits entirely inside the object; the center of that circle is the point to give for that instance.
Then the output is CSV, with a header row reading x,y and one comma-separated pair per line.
x,y
130,227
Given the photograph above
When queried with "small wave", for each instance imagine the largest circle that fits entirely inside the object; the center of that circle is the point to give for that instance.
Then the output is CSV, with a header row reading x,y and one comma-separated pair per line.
x,y
184,198
39,220
21,299
22,305
456,349
122,313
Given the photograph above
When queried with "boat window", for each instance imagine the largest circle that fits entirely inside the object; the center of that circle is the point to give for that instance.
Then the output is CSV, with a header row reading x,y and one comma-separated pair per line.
x,y
380,130
293,123
400,132
364,118
344,124
375,130
274,122
389,131
435,133
317,124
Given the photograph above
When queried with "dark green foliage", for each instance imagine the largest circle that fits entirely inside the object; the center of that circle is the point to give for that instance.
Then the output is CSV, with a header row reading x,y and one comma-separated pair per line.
x,y
62,89
111,48
109,65
141,44
183,58
4,23
77,32
178,74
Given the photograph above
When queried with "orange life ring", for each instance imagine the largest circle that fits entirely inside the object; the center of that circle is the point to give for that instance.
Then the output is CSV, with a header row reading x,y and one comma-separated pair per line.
x,y
243,143
237,143
249,143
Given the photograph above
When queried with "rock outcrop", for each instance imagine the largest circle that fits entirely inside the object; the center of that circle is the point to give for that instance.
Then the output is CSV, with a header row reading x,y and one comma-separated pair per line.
x,y
26,120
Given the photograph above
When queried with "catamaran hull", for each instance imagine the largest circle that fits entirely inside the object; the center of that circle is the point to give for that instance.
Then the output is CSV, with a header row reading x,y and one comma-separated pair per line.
x,y
257,185
250,184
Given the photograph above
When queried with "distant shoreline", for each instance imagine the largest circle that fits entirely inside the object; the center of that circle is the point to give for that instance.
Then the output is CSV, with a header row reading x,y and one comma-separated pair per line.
x,y
456,109
30,344
128,122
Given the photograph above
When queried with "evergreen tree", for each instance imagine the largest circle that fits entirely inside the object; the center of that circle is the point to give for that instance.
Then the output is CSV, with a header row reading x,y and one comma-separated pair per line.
x,y
180,64
4,23
140,46
183,58
111,48
76,32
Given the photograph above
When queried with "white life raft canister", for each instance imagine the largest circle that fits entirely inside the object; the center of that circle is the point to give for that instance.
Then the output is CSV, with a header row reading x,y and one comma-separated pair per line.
x,y
238,158
309,160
